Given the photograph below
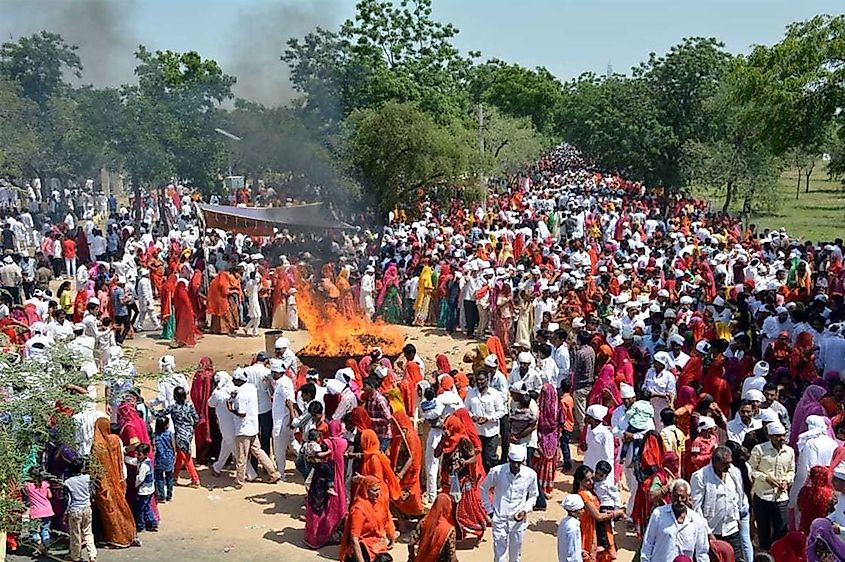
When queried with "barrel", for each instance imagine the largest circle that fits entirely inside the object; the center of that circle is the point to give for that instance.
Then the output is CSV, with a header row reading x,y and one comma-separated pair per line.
x,y
270,337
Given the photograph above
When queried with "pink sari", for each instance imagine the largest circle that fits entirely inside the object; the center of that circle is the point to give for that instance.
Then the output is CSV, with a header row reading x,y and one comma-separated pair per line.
x,y
605,381
325,515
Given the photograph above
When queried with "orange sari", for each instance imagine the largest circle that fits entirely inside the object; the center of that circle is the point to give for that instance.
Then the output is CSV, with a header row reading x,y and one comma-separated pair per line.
x,y
410,497
435,530
365,522
218,302
589,540
376,463
116,521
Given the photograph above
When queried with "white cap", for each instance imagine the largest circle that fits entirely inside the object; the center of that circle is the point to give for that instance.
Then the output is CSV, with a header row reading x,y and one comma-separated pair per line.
x,y
8,259
705,422
523,357
145,272
677,338
277,366
655,308
517,453
572,502
664,358
781,310
718,301
767,415
663,293
775,428
167,361
686,299
578,322
94,300
491,361
754,395
597,411
703,347
670,313
239,375
282,343
761,369
839,471
627,391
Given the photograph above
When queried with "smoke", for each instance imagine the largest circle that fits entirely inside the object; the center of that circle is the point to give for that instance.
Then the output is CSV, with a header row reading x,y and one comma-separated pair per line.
x,y
100,28
258,38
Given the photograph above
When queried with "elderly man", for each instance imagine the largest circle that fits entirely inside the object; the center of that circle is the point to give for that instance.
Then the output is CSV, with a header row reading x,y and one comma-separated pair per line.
x,y
675,530
717,494
772,470
515,491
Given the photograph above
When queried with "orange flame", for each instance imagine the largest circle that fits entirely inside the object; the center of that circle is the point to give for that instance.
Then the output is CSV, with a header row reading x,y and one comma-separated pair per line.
x,y
336,335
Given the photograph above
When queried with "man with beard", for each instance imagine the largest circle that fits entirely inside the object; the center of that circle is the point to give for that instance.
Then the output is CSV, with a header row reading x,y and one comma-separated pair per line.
x,y
676,530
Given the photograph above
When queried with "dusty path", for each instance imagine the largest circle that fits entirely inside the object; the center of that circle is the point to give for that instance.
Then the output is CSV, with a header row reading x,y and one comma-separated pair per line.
x,y
263,521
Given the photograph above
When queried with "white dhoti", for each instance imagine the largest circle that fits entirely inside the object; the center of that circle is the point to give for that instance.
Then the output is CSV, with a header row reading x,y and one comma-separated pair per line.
x,y
432,463
282,436
507,538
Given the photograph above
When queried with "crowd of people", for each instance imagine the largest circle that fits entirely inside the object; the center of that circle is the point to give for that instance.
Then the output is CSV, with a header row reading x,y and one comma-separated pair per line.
x,y
691,362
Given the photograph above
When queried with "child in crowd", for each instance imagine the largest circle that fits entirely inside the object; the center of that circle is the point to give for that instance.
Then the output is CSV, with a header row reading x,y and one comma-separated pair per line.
x,y
77,491
566,421
105,340
40,510
145,482
165,457
673,438
185,419
609,498
316,454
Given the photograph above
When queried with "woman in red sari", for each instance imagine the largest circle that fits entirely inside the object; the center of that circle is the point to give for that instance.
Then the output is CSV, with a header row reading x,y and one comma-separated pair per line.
x,y
132,432
199,299
802,363
168,319
463,459
201,388
183,309
79,305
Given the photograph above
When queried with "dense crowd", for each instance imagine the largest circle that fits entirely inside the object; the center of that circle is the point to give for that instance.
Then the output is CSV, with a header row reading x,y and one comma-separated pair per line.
x,y
696,364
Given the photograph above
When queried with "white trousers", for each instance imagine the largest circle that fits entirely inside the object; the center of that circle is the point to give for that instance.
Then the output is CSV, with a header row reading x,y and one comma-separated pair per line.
x,y
281,442
507,538
143,311
631,482
432,463
253,324
226,450
70,267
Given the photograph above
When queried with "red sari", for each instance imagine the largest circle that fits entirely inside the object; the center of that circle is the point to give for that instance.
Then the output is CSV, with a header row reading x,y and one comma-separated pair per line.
x,y
469,512
185,321
410,497
201,388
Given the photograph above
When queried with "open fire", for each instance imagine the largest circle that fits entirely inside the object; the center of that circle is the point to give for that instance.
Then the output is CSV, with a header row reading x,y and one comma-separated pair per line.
x,y
334,336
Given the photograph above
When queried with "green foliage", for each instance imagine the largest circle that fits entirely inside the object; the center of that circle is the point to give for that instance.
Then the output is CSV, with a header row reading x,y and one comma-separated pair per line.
x,y
616,121
798,87
20,141
386,53
38,63
519,92
511,144
400,152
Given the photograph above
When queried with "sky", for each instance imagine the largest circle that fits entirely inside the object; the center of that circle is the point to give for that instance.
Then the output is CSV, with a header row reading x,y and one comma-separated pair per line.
x,y
568,37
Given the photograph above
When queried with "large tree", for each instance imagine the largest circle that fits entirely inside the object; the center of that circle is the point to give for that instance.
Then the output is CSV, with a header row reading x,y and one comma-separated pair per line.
x,y
399,153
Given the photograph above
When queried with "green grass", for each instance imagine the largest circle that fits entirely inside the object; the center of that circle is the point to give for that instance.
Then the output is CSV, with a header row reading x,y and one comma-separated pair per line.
x,y
818,215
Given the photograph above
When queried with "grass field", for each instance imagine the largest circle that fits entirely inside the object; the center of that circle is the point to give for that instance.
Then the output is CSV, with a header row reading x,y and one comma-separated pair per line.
x,y
818,215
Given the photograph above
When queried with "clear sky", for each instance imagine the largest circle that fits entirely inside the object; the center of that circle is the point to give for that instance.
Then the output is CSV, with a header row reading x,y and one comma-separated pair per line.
x,y
246,36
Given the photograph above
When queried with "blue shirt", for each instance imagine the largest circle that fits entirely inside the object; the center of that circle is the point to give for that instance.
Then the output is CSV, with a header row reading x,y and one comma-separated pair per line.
x,y
117,303
165,455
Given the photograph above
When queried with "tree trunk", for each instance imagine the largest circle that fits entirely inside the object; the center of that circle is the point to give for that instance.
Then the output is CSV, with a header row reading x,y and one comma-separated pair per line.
x,y
807,175
136,191
798,188
729,195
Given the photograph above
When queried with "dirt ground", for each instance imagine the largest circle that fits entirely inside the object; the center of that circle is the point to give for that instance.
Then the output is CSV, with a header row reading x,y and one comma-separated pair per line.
x,y
262,520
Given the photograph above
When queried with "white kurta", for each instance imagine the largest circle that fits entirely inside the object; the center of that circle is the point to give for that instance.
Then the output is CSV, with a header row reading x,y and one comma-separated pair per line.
x,y
599,447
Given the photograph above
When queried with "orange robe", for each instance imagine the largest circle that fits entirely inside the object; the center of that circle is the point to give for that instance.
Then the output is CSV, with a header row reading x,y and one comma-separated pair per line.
x,y
410,497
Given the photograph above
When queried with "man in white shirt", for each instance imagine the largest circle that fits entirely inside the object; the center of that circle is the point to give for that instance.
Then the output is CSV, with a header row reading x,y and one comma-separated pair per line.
x,y
515,491
774,325
283,413
599,440
560,354
368,287
569,530
486,406
676,346
717,494
245,407
524,370
676,530
146,302
743,423
226,422
259,375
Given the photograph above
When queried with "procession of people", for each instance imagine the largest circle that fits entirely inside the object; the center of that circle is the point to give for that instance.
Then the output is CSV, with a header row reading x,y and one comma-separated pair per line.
x,y
686,371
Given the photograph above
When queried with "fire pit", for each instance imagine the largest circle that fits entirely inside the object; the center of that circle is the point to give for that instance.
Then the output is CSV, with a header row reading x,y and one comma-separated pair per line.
x,y
336,338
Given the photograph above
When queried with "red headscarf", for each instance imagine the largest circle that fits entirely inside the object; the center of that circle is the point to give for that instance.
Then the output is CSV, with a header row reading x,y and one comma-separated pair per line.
x,y
435,528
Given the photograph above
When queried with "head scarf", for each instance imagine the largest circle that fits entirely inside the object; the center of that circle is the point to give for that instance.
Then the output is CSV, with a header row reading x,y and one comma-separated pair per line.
x,y
547,422
455,427
443,364
809,405
687,396
446,383
821,530
435,528
372,454
360,419
605,381
814,498
362,504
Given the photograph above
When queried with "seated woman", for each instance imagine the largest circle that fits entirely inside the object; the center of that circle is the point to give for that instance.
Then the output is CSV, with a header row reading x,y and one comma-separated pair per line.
x,y
364,537
434,538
